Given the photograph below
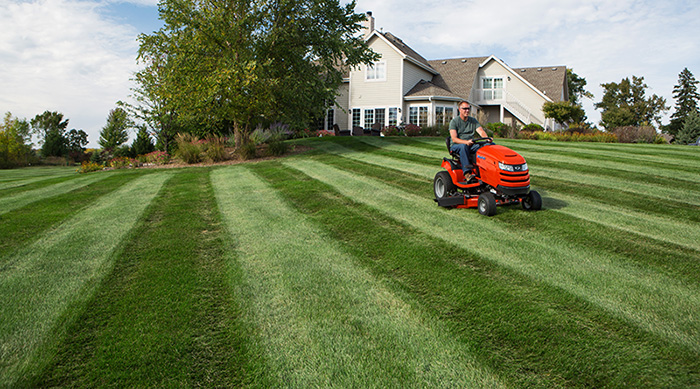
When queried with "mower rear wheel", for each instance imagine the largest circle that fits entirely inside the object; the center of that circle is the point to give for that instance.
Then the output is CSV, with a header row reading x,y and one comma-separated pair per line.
x,y
443,185
532,202
487,204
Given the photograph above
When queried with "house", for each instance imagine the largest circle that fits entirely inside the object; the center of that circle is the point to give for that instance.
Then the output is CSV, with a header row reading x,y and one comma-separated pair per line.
x,y
404,87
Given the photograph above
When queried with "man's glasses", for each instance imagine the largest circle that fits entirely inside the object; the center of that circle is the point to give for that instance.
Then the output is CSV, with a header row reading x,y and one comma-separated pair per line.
x,y
465,108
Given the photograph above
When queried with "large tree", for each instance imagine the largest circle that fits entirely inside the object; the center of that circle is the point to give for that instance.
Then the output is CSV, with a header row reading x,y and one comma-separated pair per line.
x,y
14,141
690,132
687,97
625,104
564,112
51,129
227,66
115,132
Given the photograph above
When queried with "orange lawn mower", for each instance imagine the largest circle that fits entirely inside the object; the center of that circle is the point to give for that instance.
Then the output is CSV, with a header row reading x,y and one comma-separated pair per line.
x,y
499,177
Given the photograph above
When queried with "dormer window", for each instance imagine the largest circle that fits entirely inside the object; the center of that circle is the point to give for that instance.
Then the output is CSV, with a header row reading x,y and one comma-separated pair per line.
x,y
376,72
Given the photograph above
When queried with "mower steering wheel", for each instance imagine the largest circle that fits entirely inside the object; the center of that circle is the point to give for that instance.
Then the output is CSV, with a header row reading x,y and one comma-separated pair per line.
x,y
482,140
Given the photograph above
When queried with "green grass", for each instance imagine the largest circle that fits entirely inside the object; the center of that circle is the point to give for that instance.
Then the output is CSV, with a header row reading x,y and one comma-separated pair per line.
x,y
336,268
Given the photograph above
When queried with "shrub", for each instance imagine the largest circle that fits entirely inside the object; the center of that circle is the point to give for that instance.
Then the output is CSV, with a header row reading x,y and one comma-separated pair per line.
x,y
215,148
436,130
156,157
532,127
391,131
635,134
247,151
122,163
598,136
189,148
412,130
498,129
321,133
87,167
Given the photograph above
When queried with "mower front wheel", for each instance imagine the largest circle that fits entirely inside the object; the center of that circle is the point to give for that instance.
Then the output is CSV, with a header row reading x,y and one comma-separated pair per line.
x,y
443,185
532,202
487,204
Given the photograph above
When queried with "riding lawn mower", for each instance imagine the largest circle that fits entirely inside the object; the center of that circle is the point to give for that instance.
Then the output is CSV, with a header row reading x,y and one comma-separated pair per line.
x,y
500,176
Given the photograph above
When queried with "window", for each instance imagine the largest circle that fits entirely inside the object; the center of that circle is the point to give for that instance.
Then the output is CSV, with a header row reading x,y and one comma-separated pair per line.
x,y
376,72
443,115
393,116
329,119
369,118
423,116
493,88
379,116
413,115
356,117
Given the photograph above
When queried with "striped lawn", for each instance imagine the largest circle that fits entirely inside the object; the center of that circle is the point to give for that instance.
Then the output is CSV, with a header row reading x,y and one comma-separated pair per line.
x,y
336,268
40,282
326,321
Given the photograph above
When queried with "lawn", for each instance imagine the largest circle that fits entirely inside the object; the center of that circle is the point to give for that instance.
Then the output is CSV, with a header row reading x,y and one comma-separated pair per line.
x,y
334,267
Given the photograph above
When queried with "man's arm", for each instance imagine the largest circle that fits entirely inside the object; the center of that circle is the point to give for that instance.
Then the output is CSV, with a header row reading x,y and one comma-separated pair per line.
x,y
481,132
455,139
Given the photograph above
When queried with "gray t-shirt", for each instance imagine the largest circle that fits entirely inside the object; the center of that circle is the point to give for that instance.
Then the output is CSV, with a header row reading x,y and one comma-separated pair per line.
x,y
466,129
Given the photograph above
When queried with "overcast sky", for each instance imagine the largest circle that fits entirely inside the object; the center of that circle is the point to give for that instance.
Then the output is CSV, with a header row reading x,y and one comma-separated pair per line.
x,y
77,56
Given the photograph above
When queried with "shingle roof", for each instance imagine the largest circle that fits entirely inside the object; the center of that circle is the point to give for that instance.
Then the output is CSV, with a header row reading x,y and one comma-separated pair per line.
x,y
457,74
404,48
549,79
427,88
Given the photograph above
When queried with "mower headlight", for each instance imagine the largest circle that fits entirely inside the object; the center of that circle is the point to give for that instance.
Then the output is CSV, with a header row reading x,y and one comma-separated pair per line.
x,y
512,168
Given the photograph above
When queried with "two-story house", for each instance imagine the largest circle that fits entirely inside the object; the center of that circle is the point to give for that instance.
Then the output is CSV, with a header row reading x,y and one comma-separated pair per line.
x,y
404,87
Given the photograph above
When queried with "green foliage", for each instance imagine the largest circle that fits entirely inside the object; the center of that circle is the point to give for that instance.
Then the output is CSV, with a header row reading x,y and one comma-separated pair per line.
x,y
14,134
143,144
691,129
189,149
498,129
576,86
87,167
564,112
247,151
635,134
687,99
625,104
262,60
391,131
215,149
412,130
568,136
51,130
532,127
55,144
115,132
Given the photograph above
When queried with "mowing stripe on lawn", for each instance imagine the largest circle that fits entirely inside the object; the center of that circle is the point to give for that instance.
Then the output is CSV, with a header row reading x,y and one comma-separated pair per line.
x,y
325,320
18,177
21,227
654,302
166,315
40,282
18,200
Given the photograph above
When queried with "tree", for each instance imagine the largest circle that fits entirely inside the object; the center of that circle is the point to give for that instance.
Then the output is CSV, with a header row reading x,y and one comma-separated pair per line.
x,y
225,66
691,129
115,133
577,89
625,104
564,112
143,143
14,142
687,97
76,140
51,129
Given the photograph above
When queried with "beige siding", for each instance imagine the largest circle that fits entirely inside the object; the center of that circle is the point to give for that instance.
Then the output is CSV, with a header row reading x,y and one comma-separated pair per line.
x,y
412,75
516,89
372,94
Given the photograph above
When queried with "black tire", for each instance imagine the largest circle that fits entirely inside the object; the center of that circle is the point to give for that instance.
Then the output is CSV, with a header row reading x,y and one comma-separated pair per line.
x,y
443,185
487,204
532,202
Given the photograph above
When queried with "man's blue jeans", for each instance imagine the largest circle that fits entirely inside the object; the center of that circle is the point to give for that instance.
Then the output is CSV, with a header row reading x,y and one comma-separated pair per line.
x,y
464,153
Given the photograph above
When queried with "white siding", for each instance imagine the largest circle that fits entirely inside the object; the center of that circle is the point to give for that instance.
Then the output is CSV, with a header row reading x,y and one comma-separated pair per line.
x,y
375,94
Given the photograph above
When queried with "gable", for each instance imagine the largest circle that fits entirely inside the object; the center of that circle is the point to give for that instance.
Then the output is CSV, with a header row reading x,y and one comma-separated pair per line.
x,y
551,80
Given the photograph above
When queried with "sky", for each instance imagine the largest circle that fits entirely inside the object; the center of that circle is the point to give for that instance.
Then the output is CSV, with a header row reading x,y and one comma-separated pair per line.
x,y
77,57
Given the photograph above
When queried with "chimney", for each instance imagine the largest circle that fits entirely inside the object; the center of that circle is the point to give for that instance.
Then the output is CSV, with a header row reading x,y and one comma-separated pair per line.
x,y
368,24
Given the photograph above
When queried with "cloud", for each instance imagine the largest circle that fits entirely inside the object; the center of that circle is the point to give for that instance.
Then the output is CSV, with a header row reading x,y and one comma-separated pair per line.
x,y
64,56
603,41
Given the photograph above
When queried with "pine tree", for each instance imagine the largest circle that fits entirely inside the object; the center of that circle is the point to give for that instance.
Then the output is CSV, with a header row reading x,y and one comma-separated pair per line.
x,y
115,133
687,97
691,129
143,144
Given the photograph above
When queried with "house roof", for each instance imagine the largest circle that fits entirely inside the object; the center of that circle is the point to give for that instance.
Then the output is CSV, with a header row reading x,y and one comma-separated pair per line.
x,y
551,80
457,74
404,48
425,89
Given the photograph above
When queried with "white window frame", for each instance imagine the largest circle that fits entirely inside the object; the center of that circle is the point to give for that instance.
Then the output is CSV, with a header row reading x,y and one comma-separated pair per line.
x,y
492,93
393,120
376,72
